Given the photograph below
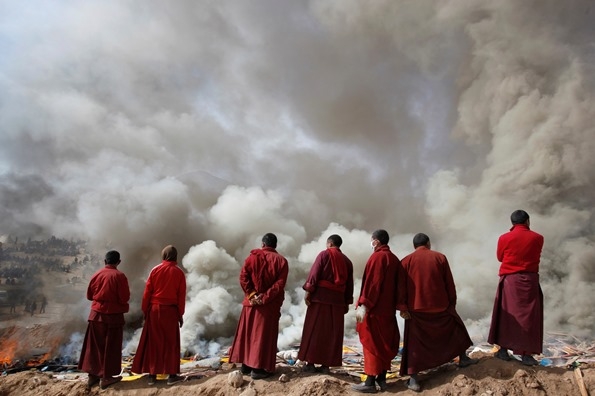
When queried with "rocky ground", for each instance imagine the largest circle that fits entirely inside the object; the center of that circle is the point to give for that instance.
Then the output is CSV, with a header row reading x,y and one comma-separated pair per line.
x,y
490,376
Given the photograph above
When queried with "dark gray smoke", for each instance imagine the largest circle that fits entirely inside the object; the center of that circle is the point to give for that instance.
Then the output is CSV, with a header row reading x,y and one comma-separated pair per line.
x,y
207,124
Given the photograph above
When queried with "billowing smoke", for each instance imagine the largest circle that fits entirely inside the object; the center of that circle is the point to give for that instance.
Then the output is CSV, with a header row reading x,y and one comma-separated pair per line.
x,y
207,124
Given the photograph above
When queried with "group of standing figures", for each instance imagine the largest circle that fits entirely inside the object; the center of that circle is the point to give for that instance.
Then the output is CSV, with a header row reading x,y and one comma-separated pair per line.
x,y
420,286
163,305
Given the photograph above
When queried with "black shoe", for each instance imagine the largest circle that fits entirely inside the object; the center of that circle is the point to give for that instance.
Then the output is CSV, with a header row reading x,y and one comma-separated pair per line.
x,y
105,382
92,380
502,354
152,379
383,385
323,370
467,361
174,379
413,385
363,388
260,374
309,368
246,370
529,360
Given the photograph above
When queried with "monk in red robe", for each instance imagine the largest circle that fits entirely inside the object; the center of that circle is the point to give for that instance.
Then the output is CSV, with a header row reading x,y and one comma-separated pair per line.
x,y
376,313
517,318
163,305
434,332
262,278
101,355
329,291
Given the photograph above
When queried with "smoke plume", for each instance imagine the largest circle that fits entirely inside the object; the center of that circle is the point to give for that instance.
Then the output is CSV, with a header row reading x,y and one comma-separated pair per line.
x,y
135,125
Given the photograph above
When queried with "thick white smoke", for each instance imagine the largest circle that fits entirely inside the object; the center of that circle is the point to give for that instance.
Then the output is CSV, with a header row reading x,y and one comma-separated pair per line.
x,y
207,124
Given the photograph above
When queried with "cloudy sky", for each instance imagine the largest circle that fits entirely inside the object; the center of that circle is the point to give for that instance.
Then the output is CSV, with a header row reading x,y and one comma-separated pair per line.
x,y
205,124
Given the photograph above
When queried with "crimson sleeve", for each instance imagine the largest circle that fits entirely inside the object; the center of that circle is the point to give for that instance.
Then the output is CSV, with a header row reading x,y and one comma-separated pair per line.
x,y
314,275
449,281
349,283
278,286
402,287
373,279
246,276
123,291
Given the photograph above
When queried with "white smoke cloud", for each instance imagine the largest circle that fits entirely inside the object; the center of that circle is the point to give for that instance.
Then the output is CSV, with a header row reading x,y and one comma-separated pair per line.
x,y
214,294
205,125
245,214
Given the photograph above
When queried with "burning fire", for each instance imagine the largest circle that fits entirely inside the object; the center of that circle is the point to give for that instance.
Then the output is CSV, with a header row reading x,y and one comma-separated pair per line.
x,y
8,349
16,351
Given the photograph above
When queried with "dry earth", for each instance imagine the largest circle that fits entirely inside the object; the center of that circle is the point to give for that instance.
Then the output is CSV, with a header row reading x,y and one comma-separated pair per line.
x,y
490,377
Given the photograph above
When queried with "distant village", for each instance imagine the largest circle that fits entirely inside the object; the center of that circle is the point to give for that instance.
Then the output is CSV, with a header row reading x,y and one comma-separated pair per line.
x,y
27,266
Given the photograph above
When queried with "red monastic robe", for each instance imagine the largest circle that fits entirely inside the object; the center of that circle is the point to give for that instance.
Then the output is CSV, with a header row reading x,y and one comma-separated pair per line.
x,y
101,354
379,331
255,342
435,334
517,318
330,284
163,304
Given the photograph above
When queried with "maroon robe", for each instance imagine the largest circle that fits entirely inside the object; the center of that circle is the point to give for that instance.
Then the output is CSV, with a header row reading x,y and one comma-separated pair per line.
x,y
255,342
330,284
379,331
435,333
101,354
517,318
163,305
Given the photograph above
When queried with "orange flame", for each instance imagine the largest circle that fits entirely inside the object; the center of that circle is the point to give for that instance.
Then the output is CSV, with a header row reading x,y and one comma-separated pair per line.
x,y
8,349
